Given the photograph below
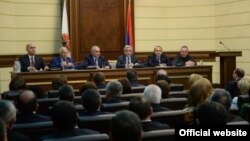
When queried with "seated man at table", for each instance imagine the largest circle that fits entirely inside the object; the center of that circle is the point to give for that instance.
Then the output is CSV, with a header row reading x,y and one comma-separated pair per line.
x,y
62,61
128,59
183,58
31,61
158,58
95,59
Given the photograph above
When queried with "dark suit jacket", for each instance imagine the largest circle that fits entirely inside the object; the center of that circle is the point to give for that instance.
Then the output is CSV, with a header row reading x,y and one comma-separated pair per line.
x,y
180,61
16,136
151,125
135,84
152,60
158,108
232,88
121,61
69,133
31,117
56,62
89,61
95,113
25,62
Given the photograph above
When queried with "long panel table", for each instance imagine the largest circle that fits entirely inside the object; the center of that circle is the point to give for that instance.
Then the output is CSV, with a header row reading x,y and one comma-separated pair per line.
x,y
146,75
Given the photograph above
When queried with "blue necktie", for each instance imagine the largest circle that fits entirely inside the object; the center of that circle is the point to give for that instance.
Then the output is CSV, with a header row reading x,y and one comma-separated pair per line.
x,y
96,61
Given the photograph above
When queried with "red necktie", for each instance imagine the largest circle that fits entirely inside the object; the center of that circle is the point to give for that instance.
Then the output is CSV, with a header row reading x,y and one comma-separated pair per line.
x,y
32,61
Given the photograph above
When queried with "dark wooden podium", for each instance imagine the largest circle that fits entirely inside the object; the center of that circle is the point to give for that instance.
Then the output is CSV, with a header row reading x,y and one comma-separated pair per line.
x,y
227,65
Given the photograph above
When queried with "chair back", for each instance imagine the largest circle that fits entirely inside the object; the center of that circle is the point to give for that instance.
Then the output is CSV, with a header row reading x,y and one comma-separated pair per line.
x,y
93,137
159,135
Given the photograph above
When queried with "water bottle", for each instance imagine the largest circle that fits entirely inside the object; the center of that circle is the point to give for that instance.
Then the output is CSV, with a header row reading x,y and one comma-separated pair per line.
x,y
17,66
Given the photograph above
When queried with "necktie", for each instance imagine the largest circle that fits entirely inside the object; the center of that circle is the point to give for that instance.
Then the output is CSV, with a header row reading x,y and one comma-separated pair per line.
x,y
96,61
129,60
159,60
32,61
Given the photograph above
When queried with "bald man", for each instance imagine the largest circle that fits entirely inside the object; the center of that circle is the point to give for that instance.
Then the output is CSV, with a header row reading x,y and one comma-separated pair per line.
x,y
32,62
63,60
27,106
95,59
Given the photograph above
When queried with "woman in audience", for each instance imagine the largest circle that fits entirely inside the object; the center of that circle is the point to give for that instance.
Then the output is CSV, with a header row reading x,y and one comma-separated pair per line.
x,y
193,78
59,81
165,88
126,85
88,85
99,79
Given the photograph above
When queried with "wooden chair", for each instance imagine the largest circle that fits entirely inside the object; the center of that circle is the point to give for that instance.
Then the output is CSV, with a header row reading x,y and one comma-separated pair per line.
x,y
242,99
92,137
113,107
173,118
44,105
35,130
159,135
99,122
55,93
174,103
139,89
178,94
127,97
176,87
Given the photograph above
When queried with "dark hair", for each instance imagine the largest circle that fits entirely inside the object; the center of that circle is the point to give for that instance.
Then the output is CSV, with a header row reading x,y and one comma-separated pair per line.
x,y
222,96
126,126
99,78
240,72
38,91
141,106
165,88
88,85
26,102
212,113
132,75
59,81
126,85
163,77
64,115
91,100
66,92
17,83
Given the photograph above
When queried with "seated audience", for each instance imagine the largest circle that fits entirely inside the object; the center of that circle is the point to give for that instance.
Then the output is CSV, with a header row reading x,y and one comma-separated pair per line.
x,y
165,88
126,85
3,132
142,107
88,85
212,113
99,79
66,93
59,81
224,98
153,93
62,61
128,59
183,58
8,115
31,61
231,87
65,118
95,59
125,126
133,77
193,78
114,92
162,75
38,91
27,106
158,58
91,101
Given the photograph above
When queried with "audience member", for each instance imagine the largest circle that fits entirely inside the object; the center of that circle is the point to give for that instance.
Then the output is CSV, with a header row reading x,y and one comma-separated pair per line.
x,y
99,79
65,118
62,61
193,78
165,88
31,61
153,93
66,93
3,132
125,126
133,78
224,98
128,59
142,107
27,106
126,85
59,81
231,87
91,101
8,115
95,59
183,58
114,92
162,75
243,87
212,113
158,58
88,85
38,91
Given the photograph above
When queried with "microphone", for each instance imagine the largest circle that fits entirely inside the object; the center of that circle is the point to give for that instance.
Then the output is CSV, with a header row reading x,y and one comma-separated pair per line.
x,y
225,46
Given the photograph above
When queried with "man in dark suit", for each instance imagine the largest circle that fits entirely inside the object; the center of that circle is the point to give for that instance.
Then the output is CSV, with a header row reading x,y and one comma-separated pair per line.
x,y
30,61
128,59
183,58
62,61
27,106
142,107
158,58
65,118
232,87
95,59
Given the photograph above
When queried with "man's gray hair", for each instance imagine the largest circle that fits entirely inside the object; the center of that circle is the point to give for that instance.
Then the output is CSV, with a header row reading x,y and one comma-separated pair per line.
x,y
93,48
114,88
7,111
62,48
153,93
